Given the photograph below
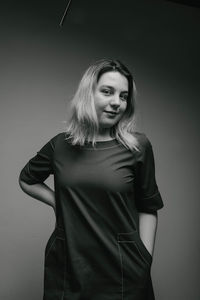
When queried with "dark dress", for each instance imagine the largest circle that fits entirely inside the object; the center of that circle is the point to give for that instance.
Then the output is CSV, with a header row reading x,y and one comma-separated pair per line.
x,y
95,251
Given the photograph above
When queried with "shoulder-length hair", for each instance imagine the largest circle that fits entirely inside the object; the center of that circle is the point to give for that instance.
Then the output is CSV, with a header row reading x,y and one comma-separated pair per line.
x,y
82,126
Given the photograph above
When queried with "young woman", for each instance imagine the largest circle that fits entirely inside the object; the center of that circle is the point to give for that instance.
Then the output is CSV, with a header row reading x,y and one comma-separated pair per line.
x,y
106,197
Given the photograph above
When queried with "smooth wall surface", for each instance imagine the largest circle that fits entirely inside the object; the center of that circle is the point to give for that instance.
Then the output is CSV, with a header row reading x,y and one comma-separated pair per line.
x,y
41,64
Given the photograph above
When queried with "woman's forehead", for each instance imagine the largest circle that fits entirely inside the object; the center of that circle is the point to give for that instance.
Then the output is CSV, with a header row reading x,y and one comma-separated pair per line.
x,y
113,78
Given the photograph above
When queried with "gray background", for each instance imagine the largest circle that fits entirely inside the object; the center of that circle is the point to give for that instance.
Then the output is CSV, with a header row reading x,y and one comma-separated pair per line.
x,y
41,65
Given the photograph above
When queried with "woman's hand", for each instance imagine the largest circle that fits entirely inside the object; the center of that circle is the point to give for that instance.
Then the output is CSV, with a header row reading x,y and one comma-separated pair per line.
x,y
147,227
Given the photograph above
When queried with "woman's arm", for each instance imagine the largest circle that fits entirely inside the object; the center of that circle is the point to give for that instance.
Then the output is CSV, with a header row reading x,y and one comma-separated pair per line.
x,y
147,229
39,191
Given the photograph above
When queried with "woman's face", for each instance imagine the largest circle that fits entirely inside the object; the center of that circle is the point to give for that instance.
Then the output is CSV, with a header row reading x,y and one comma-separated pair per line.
x,y
110,98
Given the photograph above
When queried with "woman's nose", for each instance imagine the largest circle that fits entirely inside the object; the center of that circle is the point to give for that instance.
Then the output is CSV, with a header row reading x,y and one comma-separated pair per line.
x,y
115,101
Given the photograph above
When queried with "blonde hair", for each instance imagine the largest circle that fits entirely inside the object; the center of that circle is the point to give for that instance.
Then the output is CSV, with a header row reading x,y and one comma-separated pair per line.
x,y
83,126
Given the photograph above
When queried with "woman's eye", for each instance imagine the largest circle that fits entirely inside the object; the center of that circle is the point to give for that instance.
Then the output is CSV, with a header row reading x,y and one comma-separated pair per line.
x,y
124,97
106,92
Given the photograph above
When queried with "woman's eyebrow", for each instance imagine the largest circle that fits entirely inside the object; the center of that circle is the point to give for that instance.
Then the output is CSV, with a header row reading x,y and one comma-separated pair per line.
x,y
111,87
108,86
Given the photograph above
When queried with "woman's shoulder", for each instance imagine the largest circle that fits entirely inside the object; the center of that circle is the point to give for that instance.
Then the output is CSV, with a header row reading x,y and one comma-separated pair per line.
x,y
60,135
144,145
60,138
57,136
56,139
142,139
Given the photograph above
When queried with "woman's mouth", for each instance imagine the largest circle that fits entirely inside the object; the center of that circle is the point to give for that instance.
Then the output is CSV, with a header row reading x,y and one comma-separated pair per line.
x,y
111,113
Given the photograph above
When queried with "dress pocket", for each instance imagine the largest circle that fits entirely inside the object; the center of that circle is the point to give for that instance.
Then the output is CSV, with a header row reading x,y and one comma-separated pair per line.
x,y
134,237
144,251
50,243
55,265
135,261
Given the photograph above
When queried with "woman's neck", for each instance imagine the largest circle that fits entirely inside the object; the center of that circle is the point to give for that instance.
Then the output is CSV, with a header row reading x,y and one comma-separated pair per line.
x,y
103,135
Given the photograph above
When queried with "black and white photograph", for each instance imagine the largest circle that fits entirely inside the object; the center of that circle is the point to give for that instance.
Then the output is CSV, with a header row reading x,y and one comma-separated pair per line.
x,y
100,150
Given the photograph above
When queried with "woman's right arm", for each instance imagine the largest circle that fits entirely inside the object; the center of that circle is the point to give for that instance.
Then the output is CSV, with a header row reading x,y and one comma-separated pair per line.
x,y
39,191
36,171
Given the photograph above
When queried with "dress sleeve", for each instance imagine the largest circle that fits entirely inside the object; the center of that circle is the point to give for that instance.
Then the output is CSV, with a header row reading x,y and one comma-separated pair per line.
x,y
148,198
39,167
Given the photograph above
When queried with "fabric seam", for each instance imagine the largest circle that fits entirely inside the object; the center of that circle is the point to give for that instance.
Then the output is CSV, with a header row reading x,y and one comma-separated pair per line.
x,y
122,279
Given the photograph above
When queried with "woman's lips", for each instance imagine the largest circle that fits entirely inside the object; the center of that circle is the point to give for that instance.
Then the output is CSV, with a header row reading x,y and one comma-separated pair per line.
x,y
111,113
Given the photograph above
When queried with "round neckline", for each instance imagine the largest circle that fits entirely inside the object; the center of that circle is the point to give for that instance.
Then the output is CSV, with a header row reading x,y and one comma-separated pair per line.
x,y
101,144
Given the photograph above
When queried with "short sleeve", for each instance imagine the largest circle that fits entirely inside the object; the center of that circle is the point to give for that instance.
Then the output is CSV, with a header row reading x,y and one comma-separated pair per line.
x,y
39,167
148,197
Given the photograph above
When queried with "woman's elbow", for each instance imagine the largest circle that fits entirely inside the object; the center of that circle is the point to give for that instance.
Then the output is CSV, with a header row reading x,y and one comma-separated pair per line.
x,y
22,184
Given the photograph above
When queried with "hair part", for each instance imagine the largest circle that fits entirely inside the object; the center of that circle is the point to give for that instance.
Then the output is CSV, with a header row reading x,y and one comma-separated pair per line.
x,y
83,126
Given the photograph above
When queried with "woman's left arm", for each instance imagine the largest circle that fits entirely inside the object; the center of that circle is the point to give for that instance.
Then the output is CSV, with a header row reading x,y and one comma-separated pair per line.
x,y
147,229
148,198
